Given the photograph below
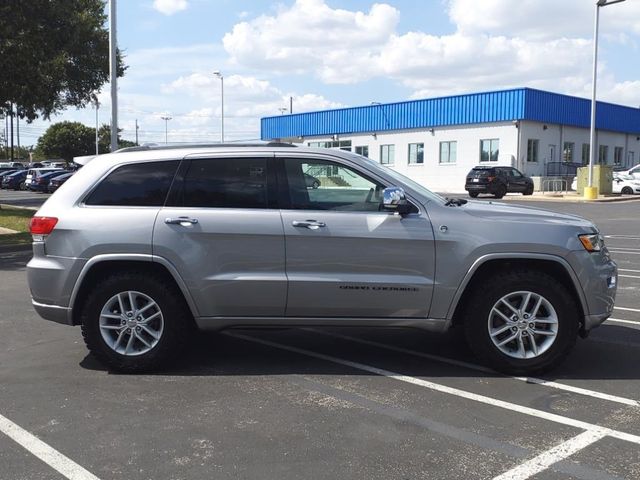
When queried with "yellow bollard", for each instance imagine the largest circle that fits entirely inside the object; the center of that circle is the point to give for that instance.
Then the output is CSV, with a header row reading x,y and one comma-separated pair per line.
x,y
590,193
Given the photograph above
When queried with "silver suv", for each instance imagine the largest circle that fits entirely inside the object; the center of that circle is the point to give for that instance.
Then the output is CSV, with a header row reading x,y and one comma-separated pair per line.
x,y
140,246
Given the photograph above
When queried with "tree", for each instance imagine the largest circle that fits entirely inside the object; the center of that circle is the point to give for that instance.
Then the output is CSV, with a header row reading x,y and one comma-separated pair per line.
x,y
74,139
55,54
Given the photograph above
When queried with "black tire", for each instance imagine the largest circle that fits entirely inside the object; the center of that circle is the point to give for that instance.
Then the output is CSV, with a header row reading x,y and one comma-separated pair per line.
x,y
473,194
23,186
490,291
500,192
315,185
178,323
528,190
627,191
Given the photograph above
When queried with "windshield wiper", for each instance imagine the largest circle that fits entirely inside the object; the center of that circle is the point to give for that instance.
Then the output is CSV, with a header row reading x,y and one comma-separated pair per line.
x,y
455,201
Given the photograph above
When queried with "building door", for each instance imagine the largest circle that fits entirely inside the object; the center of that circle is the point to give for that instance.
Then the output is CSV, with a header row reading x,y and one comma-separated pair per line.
x,y
552,153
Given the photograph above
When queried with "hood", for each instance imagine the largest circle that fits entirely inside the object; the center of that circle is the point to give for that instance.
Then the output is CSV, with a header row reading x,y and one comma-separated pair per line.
x,y
496,212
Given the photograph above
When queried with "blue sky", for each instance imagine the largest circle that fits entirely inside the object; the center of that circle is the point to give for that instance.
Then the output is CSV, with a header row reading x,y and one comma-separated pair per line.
x,y
330,53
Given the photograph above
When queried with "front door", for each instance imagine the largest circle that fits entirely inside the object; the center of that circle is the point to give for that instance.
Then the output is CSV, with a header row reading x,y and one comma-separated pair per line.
x,y
345,258
220,233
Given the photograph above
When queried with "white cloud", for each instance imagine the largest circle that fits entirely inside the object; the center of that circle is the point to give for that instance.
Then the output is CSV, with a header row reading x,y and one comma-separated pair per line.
x,y
169,7
496,44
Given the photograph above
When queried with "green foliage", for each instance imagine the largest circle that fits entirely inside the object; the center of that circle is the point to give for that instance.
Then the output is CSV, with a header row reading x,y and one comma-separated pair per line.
x,y
19,154
74,139
55,54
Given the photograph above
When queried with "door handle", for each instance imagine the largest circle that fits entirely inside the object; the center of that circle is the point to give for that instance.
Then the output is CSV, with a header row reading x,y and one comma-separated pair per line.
x,y
184,221
310,224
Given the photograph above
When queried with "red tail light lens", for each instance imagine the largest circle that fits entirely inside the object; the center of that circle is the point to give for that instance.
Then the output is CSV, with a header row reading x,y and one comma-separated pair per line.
x,y
490,179
42,225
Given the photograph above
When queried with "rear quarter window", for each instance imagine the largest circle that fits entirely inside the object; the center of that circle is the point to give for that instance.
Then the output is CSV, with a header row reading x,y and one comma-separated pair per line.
x,y
137,184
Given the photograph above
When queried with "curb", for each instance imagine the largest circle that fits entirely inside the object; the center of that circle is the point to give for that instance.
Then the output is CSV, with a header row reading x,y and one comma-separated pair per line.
x,y
35,209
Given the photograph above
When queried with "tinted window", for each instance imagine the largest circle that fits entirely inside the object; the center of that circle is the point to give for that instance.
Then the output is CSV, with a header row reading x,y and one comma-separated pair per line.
x,y
137,184
226,183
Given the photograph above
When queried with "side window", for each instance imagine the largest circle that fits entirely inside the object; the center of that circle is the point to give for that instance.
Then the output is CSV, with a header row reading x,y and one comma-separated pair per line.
x,y
324,185
225,183
137,184
515,173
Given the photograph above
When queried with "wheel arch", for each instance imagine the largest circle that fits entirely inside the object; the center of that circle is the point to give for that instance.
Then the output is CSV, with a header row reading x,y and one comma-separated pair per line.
x,y
103,265
491,264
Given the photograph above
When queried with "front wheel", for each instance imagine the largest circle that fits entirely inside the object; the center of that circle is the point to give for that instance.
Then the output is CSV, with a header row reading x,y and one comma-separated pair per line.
x,y
521,322
134,322
627,191
528,190
473,194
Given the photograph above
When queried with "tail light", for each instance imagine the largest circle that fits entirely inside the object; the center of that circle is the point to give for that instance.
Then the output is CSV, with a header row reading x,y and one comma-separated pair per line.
x,y
41,226
490,179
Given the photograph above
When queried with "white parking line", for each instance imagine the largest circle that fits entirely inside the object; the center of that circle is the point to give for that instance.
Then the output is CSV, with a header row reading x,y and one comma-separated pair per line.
x,y
624,252
44,452
543,461
627,309
628,276
514,407
628,270
473,366
628,237
619,320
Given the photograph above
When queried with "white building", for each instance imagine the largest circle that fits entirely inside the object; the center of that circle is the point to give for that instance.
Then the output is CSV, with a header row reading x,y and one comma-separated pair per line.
x,y
437,141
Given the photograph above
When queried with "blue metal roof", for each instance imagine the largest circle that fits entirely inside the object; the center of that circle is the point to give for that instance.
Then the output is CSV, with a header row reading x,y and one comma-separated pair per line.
x,y
488,107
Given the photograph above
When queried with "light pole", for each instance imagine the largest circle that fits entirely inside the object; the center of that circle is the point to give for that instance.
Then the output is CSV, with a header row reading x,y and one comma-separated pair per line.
x,y
113,70
218,74
591,192
97,104
166,123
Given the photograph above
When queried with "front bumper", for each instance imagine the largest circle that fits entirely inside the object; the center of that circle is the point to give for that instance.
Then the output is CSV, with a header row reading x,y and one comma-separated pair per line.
x,y
54,313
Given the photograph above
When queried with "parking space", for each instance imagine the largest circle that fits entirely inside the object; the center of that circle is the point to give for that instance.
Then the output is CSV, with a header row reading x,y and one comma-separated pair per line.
x,y
324,403
23,199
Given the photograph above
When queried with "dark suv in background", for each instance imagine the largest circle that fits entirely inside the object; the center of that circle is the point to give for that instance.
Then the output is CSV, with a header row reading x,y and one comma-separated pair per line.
x,y
497,181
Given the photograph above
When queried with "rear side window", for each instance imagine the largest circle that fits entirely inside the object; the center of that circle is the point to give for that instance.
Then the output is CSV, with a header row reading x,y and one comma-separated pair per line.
x,y
226,183
136,184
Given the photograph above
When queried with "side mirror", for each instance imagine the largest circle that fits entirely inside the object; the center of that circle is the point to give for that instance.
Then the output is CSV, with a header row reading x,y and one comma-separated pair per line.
x,y
395,200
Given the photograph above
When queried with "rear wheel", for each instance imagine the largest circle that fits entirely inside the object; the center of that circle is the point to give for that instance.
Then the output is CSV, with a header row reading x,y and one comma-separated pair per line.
x,y
500,192
522,322
135,322
473,194
627,191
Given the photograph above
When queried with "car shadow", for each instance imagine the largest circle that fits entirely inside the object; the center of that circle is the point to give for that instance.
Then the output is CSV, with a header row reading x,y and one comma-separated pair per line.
x,y
245,352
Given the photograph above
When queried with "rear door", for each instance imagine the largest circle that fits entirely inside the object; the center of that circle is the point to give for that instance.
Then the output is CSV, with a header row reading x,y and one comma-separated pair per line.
x,y
345,258
222,233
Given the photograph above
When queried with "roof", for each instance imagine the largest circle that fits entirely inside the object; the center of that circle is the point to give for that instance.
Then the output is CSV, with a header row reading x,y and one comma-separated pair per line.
x,y
488,107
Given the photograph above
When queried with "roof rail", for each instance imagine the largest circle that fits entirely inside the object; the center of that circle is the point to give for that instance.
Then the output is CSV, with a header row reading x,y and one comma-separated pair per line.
x,y
155,146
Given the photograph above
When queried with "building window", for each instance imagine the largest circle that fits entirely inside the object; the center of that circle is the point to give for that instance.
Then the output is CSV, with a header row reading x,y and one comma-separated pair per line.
x,y
448,152
489,150
416,153
341,144
363,150
567,152
585,154
603,154
617,156
387,154
532,150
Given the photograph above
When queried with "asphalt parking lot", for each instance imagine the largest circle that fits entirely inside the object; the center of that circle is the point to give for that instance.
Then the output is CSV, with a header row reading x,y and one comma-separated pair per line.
x,y
322,403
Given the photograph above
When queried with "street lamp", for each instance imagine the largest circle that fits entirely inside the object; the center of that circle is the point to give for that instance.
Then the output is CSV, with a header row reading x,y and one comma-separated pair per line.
x,y
97,104
218,74
591,192
282,110
166,123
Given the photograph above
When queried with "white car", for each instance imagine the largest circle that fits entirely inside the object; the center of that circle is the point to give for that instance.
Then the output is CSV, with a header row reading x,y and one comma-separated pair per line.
x,y
626,184
633,171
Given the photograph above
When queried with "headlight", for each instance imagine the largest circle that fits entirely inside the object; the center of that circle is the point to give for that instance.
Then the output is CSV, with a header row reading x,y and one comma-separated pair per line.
x,y
592,242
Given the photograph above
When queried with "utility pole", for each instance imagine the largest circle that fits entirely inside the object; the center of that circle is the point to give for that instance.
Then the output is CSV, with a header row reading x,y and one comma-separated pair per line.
x,y
137,132
221,77
97,103
113,70
290,105
18,127
11,113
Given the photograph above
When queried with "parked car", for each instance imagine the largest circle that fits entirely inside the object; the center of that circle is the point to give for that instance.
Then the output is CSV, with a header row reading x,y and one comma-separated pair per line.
x,y
625,184
58,181
34,173
6,172
15,181
7,169
633,171
497,181
41,182
311,181
35,165
147,246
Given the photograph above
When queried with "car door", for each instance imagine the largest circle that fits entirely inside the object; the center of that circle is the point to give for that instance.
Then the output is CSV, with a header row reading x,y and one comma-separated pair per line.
x,y
345,258
517,181
219,231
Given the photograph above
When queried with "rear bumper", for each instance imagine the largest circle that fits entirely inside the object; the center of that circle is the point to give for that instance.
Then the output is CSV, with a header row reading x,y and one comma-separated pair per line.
x,y
54,313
